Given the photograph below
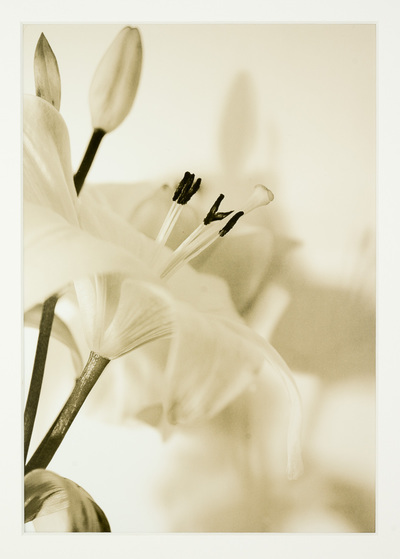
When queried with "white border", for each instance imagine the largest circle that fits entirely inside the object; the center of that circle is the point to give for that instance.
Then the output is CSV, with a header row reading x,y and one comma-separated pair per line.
x,y
386,543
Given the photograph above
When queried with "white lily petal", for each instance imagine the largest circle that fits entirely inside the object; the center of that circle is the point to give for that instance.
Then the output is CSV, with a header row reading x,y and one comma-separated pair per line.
x,y
122,198
213,360
104,223
60,331
56,253
242,259
48,178
120,314
275,364
209,366
132,387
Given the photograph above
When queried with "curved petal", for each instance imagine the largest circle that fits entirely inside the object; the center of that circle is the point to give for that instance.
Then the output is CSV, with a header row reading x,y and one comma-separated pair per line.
x,y
275,364
121,198
102,222
242,259
213,360
209,366
120,314
48,177
56,253
132,387
47,493
60,331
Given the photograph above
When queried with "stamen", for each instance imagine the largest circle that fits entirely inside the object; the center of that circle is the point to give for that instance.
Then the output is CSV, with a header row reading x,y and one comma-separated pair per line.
x,y
214,214
183,193
186,189
200,239
231,223
183,255
169,222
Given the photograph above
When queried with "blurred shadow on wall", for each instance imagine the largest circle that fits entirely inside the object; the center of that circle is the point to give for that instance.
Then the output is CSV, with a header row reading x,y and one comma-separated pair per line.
x,y
327,331
238,126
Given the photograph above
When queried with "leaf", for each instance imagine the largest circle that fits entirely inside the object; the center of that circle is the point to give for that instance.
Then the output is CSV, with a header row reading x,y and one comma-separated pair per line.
x,y
47,75
47,493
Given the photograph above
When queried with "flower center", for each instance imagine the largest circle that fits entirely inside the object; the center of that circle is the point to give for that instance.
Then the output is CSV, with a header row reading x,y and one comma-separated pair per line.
x,y
209,230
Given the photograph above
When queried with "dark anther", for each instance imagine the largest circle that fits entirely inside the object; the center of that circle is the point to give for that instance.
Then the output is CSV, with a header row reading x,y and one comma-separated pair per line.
x,y
192,191
186,189
231,223
214,214
188,178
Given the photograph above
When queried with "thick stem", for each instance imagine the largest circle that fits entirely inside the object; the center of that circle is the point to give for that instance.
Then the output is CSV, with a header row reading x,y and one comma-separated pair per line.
x,y
35,386
88,158
84,384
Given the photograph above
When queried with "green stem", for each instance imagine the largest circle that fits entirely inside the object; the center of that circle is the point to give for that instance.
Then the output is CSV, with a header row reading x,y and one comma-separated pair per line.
x,y
91,150
35,386
54,437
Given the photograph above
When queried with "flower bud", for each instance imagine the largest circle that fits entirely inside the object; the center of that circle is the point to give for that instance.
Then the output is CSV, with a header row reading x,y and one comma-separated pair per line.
x,y
47,75
116,80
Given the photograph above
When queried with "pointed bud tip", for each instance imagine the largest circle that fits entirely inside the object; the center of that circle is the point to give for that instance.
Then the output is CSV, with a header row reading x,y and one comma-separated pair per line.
x,y
46,73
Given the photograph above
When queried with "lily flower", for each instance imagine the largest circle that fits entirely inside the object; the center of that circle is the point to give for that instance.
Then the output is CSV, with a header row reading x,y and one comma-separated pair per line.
x,y
133,290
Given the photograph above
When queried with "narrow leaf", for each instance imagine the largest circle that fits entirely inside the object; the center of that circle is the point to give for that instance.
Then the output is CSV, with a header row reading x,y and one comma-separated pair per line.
x,y
47,75
48,493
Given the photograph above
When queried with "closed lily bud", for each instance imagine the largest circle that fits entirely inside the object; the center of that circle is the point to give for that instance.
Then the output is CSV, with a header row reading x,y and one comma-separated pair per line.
x,y
116,80
47,75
